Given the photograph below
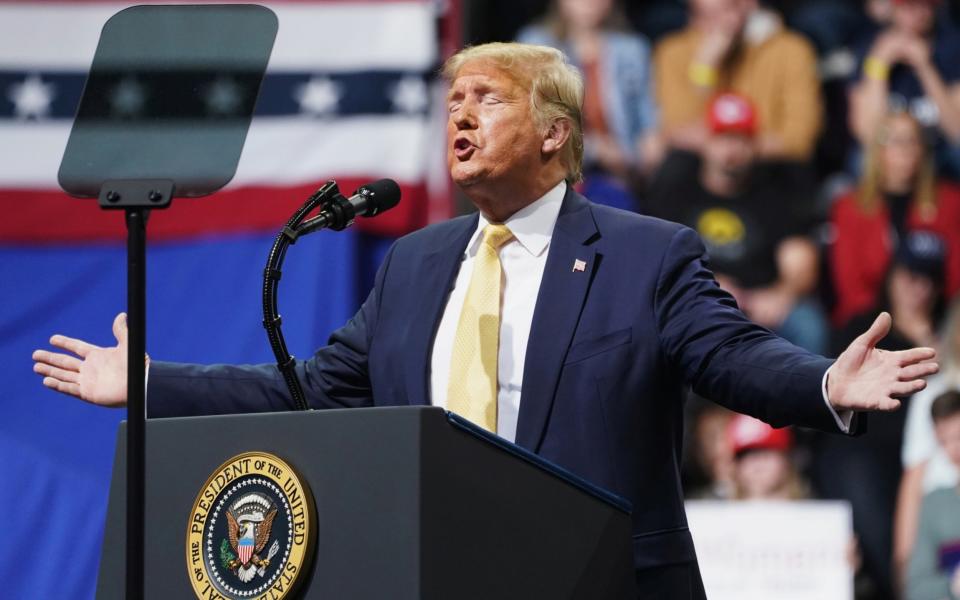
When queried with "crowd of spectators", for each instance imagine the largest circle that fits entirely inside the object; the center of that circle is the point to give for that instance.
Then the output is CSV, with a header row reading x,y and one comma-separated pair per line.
x,y
815,146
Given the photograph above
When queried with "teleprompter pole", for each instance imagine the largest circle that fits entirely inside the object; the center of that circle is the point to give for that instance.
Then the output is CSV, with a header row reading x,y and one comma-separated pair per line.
x,y
136,219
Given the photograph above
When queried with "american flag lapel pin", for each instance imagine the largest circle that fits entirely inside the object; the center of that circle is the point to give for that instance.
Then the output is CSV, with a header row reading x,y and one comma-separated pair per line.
x,y
579,266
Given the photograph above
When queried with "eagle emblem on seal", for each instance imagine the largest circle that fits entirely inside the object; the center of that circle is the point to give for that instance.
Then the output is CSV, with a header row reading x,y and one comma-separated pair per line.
x,y
249,521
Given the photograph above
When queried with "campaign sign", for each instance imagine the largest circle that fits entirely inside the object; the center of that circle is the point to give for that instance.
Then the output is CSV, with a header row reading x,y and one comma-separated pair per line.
x,y
789,550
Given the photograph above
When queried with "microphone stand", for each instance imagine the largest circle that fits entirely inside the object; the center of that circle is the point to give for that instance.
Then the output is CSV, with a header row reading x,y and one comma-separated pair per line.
x,y
327,196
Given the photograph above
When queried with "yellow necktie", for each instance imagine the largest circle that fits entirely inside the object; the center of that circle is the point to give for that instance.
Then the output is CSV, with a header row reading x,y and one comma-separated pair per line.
x,y
472,391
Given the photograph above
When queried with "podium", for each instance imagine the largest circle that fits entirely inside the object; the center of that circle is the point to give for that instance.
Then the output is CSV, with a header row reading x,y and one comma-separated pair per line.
x,y
407,502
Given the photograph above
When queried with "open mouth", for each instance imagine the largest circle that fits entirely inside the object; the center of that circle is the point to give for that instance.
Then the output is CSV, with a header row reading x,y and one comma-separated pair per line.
x,y
462,148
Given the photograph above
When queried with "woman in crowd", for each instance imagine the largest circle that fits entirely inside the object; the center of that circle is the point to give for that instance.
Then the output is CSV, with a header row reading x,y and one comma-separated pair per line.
x,y
619,114
898,193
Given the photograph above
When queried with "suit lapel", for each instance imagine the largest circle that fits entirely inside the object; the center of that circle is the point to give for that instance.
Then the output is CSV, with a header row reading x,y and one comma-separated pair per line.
x,y
437,271
563,291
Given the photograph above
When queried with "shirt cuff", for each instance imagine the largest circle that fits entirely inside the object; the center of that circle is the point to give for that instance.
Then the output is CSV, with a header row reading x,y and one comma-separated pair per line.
x,y
842,418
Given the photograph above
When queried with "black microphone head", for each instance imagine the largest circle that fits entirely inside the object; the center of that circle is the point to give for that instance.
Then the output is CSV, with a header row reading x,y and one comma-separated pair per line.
x,y
381,195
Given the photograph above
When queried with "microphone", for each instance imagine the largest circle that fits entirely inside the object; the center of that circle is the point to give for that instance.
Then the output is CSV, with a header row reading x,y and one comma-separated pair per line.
x,y
368,201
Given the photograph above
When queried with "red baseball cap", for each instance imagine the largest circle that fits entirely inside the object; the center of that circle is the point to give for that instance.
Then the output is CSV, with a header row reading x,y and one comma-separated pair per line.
x,y
746,433
731,113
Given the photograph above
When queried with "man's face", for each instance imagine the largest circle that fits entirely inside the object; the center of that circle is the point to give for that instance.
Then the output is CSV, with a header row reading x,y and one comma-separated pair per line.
x,y
948,434
725,14
491,134
729,153
914,16
761,474
911,292
587,14
902,151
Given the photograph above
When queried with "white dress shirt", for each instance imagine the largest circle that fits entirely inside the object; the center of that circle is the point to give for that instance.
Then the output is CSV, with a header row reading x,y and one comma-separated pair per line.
x,y
522,260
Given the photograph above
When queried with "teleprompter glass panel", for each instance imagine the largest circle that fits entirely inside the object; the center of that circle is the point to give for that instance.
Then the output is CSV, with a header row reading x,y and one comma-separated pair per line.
x,y
170,96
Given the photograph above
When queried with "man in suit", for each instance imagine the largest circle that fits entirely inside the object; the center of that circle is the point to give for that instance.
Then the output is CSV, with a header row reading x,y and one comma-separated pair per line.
x,y
567,327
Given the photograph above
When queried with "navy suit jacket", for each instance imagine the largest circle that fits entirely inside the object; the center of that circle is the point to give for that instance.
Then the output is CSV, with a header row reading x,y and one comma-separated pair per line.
x,y
609,352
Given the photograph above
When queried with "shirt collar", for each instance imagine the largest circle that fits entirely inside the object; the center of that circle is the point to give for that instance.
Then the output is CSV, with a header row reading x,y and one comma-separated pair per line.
x,y
532,226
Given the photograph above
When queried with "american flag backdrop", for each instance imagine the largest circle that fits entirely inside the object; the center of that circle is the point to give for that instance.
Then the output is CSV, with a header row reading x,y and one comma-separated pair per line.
x,y
350,94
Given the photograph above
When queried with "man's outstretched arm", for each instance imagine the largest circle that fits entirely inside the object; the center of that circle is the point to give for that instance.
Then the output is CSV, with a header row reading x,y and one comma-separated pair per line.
x,y
336,376
748,369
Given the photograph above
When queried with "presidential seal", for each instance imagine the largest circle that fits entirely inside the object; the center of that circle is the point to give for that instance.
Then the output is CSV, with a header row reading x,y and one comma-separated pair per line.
x,y
251,530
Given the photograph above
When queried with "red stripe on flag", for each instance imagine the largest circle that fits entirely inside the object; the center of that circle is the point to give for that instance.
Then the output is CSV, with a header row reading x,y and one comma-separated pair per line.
x,y
45,216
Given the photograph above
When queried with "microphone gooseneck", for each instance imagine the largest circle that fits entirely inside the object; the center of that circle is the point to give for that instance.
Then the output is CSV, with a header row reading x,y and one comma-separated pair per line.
x,y
336,212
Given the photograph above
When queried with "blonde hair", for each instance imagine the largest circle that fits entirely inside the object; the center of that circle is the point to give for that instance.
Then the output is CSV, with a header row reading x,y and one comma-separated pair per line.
x,y
949,350
924,186
555,86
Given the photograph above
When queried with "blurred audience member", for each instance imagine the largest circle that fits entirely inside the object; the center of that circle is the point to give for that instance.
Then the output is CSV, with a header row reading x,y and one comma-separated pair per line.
x,y
867,471
934,572
731,45
830,24
754,223
898,193
618,109
926,466
912,295
912,65
763,469
709,456
880,12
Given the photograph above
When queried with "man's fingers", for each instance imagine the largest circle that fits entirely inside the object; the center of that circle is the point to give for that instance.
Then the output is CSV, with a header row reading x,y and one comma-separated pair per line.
x,y
61,374
924,369
120,328
914,355
888,404
63,361
78,347
905,388
71,389
880,328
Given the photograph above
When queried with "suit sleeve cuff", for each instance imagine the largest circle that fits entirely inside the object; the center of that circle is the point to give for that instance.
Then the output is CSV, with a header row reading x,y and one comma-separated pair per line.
x,y
842,418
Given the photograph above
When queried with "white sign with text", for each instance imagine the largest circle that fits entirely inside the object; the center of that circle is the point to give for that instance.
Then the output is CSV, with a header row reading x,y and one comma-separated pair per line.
x,y
773,549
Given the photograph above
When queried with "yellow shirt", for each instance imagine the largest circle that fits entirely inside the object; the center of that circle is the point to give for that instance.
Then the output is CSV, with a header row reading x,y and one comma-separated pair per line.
x,y
778,74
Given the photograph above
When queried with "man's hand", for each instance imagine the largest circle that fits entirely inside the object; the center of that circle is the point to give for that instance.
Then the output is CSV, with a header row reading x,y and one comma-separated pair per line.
x,y
96,375
888,47
867,378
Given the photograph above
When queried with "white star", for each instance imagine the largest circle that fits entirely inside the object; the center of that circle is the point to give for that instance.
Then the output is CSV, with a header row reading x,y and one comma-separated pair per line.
x,y
31,98
319,96
128,98
222,97
409,95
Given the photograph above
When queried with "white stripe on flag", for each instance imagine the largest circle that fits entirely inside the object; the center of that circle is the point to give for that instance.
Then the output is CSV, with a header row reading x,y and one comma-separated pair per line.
x,y
326,36
299,150
278,150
